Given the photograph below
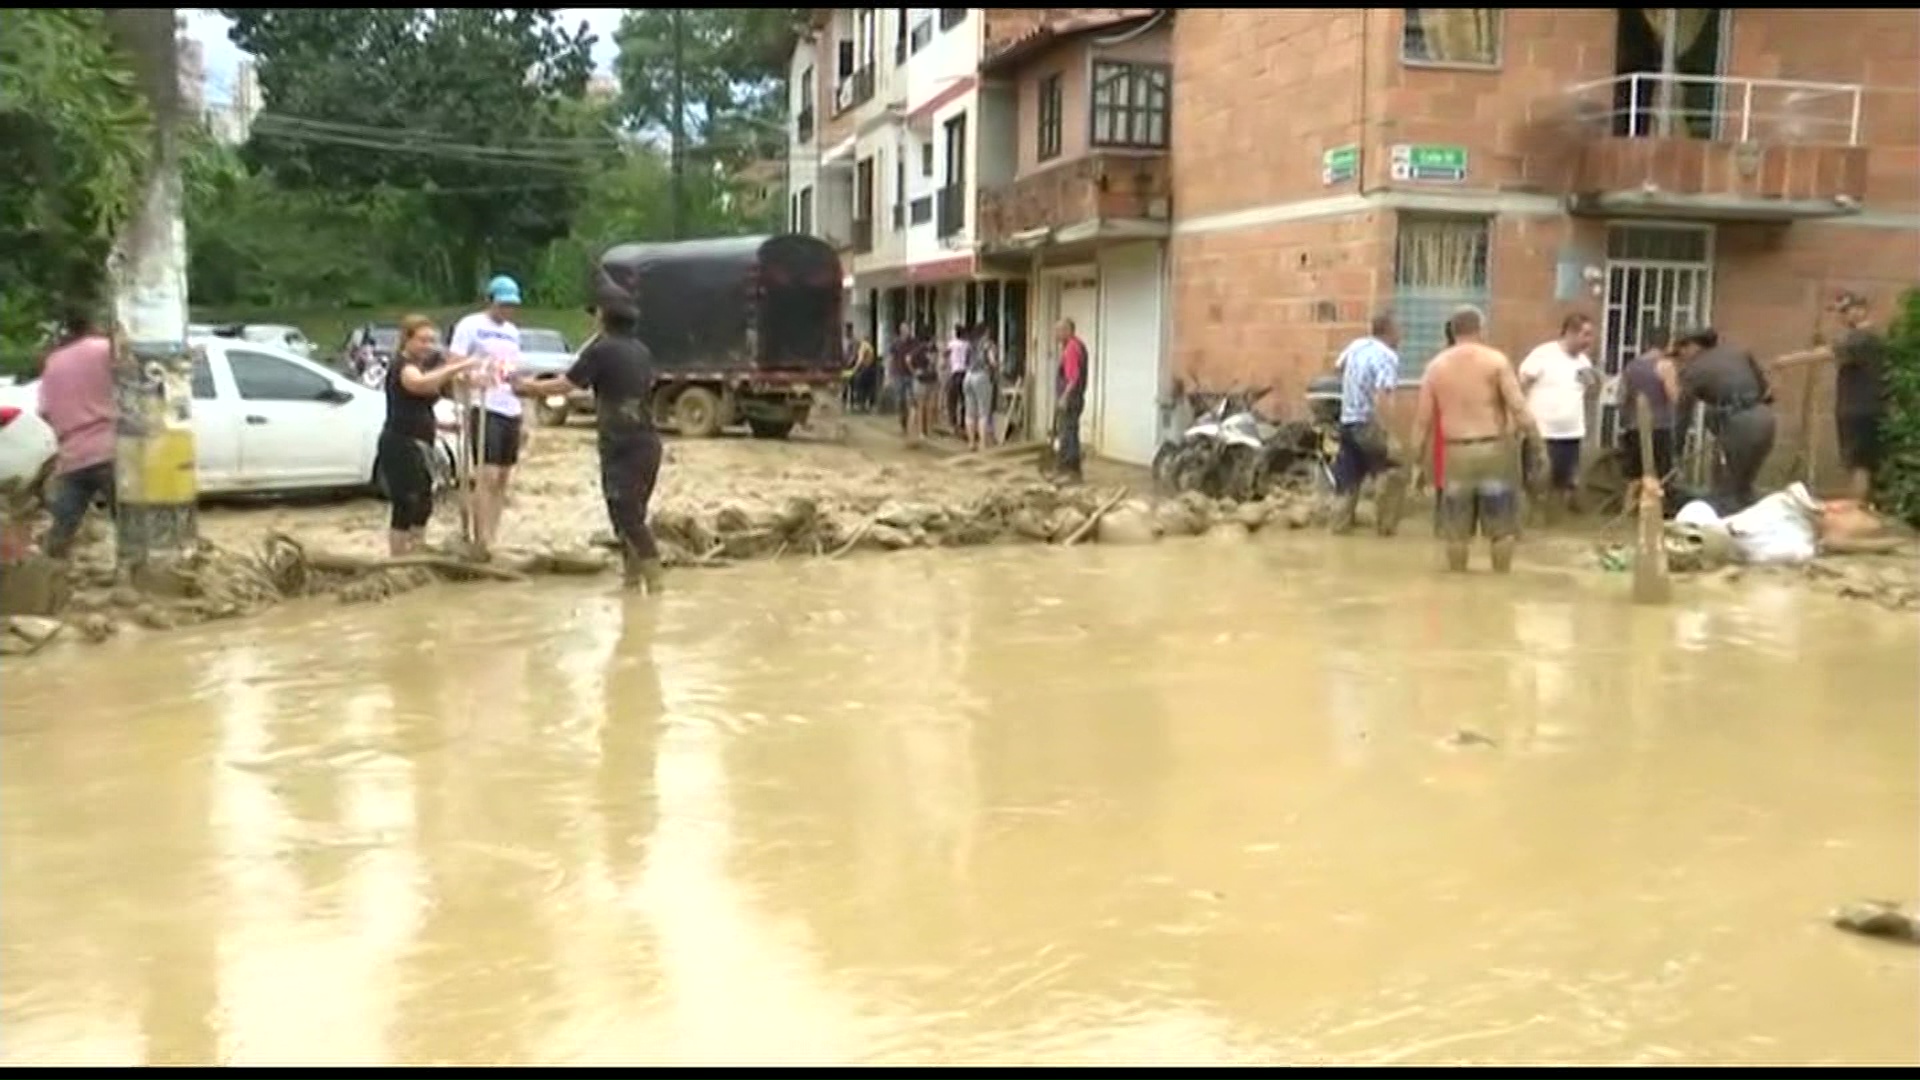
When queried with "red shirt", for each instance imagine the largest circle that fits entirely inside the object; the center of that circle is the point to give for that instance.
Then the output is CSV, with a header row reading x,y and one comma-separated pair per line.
x,y
1073,364
76,397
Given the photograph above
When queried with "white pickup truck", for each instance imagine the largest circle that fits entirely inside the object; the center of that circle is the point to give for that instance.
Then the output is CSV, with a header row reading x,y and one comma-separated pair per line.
x,y
265,420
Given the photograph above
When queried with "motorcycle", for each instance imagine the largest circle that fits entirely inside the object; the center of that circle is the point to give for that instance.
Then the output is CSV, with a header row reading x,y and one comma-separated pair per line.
x,y
1194,462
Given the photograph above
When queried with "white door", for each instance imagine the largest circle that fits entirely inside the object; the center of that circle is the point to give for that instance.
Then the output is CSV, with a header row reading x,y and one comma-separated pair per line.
x,y
1657,276
216,429
1075,297
294,432
1128,368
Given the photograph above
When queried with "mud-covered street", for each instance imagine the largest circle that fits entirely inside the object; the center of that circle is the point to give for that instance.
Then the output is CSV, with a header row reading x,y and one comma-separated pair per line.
x,y
1205,801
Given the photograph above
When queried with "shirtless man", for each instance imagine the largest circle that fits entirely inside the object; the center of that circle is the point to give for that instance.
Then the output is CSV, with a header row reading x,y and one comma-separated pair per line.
x,y
1475,388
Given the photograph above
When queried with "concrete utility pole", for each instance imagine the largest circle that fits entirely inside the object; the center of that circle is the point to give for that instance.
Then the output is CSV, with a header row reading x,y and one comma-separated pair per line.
x,y
153,371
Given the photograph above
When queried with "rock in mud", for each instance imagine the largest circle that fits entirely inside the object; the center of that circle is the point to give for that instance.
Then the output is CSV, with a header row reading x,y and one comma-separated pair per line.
x,y
1879,918
1252,514
26,634
1227,531
1126,525
1030,524
94,627
888,537
1300,514
1064,523
154,617
1175,519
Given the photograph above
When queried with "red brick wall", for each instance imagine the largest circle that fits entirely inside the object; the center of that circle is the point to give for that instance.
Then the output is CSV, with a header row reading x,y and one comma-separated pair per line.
x,y
1273,305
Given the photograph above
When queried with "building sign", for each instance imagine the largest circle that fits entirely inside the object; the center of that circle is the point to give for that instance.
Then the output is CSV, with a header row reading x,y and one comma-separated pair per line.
x,y
1340,164
1417,161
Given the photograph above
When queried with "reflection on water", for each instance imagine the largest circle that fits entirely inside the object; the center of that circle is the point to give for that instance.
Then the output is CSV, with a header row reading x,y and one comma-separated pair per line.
x,y
1189,803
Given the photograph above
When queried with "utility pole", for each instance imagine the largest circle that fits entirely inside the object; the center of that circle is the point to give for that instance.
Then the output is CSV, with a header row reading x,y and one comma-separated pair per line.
x,y
679,121
155,518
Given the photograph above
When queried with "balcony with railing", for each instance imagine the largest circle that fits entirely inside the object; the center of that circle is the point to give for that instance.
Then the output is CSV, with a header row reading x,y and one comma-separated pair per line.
x,y
1716,148
853,91
1103,187
950,210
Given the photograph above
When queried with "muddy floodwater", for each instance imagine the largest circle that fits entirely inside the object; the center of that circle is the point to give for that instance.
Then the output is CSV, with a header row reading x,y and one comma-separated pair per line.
x,y
1202,802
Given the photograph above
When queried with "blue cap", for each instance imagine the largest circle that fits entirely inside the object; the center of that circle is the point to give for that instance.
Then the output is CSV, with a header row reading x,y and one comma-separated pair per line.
x,y
503,290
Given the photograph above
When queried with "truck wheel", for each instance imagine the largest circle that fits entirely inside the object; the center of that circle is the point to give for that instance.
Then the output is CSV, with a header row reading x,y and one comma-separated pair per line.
x,y
551,415
696,413
770,429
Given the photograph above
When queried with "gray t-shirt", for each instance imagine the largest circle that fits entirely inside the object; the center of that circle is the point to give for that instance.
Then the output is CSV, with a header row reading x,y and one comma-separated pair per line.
x,y
1859,386
1641,379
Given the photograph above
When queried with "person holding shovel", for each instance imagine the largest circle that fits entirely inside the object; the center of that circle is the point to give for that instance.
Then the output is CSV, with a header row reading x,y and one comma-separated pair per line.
x,y
618,368
1859,391
491,337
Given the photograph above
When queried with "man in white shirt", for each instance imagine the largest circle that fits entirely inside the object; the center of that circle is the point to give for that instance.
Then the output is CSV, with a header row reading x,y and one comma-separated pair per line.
x,y
491,338
1556,378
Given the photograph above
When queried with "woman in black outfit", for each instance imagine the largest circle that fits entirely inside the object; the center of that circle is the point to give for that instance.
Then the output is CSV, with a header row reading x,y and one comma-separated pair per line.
x,y
414,383
618,368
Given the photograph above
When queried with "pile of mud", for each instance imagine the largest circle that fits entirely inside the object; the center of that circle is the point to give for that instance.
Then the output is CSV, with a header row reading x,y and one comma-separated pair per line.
x,y
706,534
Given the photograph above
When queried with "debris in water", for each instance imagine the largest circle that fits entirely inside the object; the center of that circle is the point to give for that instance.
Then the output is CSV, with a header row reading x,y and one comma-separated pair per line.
x,y
1879,918
1470,737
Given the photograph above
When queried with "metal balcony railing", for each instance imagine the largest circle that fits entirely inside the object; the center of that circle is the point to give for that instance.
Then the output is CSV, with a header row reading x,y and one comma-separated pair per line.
x,y
950,212
803,125
854,91
1722,108
862,235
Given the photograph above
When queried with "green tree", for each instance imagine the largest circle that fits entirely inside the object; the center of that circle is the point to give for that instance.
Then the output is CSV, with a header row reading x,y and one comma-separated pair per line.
x,y
733,69
1897,486
473,109
76,136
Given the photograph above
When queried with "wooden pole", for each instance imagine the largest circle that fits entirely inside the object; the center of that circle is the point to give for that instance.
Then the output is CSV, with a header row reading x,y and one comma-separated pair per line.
x,y
1650,582
156,524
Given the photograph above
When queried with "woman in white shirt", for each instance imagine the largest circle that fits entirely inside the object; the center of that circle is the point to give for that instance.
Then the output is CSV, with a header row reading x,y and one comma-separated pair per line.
x,y
1556,377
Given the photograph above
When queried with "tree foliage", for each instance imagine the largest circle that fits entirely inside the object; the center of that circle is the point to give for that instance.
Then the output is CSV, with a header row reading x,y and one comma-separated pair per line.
x,y
734,75
75,132
474,108
1898,483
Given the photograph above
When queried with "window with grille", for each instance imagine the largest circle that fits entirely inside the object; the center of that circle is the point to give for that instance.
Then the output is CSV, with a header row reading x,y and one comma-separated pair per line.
x,y
1468,36
1439,264
1051,98
1130,104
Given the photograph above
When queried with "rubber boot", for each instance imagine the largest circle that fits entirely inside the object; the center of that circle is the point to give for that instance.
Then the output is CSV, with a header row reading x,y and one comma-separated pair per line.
x,y
639,573
1391,503
1345,508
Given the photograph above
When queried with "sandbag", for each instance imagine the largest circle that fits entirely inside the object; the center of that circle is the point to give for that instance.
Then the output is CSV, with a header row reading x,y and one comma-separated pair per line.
x,y
1781,529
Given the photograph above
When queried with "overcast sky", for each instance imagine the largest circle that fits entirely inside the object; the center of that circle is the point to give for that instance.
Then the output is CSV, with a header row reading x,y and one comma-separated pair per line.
x,y
223,56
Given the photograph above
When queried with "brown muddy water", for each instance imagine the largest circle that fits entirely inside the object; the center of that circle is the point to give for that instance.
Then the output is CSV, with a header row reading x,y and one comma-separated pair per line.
x,y
1194,803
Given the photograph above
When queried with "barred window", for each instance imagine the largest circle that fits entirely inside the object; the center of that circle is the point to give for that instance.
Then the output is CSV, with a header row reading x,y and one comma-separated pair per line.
x,y
1439,264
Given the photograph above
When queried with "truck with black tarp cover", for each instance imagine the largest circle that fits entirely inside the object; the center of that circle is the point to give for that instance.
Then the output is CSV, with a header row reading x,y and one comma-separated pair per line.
x,y
742,330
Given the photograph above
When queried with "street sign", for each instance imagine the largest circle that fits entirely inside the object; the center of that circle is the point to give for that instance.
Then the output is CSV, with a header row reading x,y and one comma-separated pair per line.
x,y
1340,164
1441,164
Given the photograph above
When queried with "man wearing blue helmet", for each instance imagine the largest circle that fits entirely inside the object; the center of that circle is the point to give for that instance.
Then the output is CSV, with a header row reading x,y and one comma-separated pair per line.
x,y
492,339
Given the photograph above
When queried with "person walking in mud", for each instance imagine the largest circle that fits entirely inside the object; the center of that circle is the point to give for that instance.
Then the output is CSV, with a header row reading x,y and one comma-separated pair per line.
x,y
1728,380
1557,377
976,390
77,400
1475,388
1859,391
900,382
1369,371
1070,393
617,369
414,382
492,338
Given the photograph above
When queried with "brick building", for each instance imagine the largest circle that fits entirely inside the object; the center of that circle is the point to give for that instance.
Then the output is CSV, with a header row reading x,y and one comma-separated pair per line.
x,y
1325,163
1330,162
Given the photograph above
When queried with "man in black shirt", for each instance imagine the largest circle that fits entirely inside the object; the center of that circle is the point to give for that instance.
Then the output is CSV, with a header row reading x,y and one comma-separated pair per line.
x,y
1728,380
1859,391
618,368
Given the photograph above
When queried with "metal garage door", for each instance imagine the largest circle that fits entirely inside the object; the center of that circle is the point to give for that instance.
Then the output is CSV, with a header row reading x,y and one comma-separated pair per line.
x,y
1127,369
